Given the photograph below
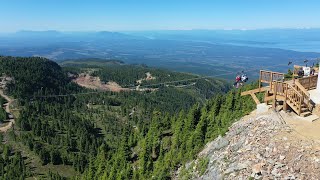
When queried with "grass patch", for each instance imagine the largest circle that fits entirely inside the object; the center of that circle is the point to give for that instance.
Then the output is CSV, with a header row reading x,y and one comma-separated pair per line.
x,y
202,165
186,173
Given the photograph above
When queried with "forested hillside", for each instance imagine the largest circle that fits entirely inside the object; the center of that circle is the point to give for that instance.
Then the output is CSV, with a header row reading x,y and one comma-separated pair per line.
x,y
168,142
111,135
34,76
132,75
3,114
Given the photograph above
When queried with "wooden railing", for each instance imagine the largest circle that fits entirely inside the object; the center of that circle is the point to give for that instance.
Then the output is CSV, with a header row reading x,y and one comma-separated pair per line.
x,y
278,87
269,76
295,97
306,95
309,82
296,94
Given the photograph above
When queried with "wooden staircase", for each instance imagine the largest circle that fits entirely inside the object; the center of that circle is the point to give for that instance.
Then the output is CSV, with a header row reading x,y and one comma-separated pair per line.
x,y
303,112
293,95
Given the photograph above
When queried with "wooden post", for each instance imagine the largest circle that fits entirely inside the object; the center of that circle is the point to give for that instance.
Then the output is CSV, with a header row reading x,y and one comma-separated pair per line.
x,y
309,87
299,110
260,80
266,95
285,105
274,95
270,78
293,73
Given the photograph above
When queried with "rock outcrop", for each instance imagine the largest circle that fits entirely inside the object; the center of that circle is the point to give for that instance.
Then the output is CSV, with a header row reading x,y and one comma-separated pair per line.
x,y
258,147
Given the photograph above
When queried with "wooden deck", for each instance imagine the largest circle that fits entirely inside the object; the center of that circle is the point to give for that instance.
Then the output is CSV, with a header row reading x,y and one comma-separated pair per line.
x,y
292,93
263,89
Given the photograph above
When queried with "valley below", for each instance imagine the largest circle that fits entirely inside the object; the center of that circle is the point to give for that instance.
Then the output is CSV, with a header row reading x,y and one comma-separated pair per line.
x,y
106,105
211,53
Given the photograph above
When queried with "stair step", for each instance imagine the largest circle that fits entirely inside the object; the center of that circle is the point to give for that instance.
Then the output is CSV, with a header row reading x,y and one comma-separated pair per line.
x,y
304,114
279,108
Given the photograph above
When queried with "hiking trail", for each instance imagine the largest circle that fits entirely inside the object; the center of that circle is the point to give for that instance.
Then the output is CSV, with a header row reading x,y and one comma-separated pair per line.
x,y
7,109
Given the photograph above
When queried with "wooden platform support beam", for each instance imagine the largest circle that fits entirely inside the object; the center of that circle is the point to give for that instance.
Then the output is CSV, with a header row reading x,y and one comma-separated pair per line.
x,y
255,91
274,102
285,104
254,97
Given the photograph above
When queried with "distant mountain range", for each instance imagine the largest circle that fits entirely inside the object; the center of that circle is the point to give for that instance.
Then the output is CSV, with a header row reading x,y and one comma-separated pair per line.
x,y
208,52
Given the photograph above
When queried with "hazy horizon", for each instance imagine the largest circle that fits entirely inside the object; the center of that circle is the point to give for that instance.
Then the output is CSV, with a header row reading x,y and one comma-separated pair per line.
x,y
150,30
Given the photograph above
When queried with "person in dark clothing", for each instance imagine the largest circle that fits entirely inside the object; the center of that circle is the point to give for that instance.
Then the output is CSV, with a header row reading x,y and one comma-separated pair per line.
x,y
301,73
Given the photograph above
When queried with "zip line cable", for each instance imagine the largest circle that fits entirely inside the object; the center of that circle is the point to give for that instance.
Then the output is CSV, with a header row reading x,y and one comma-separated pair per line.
x,y
203,77
150,85
165,83
158,84
212,76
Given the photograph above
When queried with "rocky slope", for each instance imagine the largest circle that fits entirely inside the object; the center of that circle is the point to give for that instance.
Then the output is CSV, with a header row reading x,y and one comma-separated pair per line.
x,y
258,147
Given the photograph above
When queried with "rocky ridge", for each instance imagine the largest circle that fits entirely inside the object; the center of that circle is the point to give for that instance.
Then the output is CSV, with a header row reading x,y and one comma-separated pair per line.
x,y
257,147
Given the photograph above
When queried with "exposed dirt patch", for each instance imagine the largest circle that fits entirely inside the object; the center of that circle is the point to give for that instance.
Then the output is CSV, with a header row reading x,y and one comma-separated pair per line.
x,y
8,125
148,78
302,128
91,82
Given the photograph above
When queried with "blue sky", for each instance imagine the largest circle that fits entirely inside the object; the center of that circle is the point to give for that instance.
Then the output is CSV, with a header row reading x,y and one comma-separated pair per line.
x,y
124,15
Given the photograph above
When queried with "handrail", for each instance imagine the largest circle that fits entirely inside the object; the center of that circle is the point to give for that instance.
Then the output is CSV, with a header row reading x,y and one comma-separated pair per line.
x,y
302,88
306,95
266,71
307,77
296,98
291,87
296,91
296,94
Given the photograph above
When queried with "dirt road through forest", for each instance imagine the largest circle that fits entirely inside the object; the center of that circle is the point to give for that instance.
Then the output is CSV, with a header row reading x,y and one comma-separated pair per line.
x,y
7,108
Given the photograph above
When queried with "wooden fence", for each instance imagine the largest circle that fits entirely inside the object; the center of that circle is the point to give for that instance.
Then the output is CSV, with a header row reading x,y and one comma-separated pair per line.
x,y
309,82
269,76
